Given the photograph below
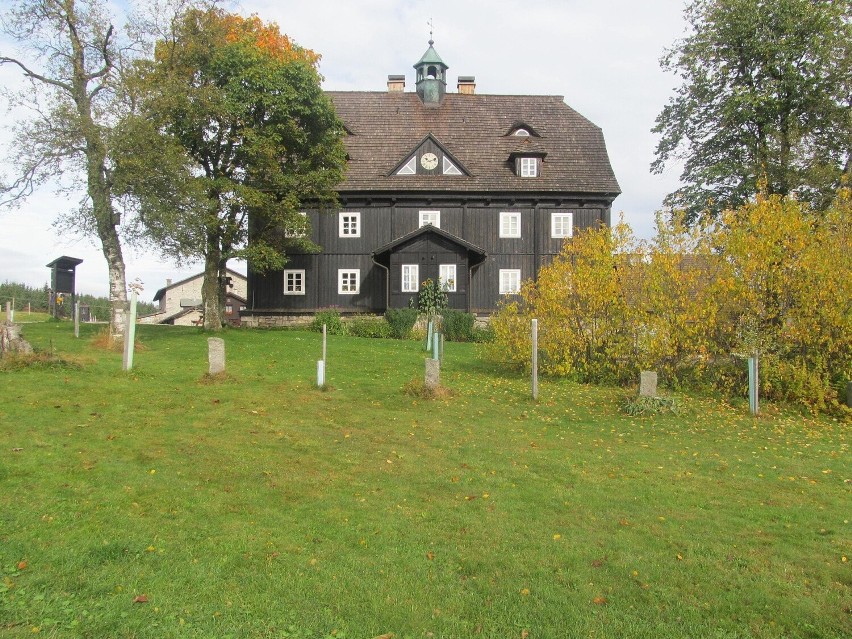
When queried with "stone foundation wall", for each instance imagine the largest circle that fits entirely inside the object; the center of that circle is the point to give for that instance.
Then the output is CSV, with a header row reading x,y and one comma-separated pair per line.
x,y
259,319
275,321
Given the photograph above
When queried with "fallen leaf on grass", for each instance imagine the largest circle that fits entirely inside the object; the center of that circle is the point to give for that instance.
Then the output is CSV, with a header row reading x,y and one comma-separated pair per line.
x,y
388,635
599,601
430,555
525,634
140,599
22,565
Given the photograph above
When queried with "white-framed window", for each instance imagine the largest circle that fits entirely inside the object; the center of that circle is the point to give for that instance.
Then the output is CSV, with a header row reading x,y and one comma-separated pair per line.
x,y
348,281
561,224
430,217
521,133
510,281
409,168
510,224
450,168
228,309
447,277
299,228
410,278
349,224
294,282
528,167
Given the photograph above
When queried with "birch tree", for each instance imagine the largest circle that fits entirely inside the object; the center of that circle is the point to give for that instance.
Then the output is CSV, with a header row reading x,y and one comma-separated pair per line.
x,y
68,52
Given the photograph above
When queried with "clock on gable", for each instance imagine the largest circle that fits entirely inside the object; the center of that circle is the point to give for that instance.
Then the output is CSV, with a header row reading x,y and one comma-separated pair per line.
x,y
429,161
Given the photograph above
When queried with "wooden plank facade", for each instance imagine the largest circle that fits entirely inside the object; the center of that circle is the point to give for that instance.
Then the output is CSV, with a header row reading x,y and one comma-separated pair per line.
x,y
482,190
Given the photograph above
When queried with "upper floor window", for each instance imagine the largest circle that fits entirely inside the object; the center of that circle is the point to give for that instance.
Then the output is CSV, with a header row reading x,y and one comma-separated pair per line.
x,y
349,224
510,224
299,227
430,217
561,224
528,167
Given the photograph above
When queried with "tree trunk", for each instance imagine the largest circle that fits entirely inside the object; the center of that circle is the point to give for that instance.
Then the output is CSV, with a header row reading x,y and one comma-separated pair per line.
x,y
213,287
97,176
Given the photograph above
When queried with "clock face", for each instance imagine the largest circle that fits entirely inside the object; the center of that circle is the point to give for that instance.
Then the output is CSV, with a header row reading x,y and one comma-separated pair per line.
x,y
429,161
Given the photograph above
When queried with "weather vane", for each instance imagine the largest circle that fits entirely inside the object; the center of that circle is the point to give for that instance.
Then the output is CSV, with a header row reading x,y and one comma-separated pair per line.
x,y
431,24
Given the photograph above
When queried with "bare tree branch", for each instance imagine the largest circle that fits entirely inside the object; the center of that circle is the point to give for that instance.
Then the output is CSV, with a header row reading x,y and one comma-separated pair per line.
x,y
36,76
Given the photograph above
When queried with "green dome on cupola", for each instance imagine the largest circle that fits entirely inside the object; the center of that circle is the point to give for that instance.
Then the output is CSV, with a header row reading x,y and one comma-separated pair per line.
x,y
431,77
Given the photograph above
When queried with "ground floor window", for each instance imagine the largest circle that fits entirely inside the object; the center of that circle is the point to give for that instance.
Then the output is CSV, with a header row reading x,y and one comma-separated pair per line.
x,y
410,278
447,277
348,281
510,281
294,282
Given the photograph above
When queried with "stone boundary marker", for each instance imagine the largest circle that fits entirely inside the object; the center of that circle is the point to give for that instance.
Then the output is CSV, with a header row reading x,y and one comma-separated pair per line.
x,y
11,340
215,355
433,373
648,384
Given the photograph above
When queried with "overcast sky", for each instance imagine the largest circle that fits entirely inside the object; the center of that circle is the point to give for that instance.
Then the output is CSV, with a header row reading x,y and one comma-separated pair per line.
x,y
602,56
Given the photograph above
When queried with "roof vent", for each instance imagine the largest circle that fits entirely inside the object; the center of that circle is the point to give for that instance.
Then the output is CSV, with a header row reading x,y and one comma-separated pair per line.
x,y
467,84
396,83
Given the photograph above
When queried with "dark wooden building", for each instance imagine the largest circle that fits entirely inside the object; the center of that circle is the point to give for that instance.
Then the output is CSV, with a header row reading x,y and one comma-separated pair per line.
x,y
476,190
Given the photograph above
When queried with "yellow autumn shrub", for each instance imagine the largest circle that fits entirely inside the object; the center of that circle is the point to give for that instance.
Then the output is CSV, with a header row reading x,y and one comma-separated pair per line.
x,y
694,302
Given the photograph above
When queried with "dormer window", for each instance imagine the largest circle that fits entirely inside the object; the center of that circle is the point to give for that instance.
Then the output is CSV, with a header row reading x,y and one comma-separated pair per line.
x,y
528,167
521,133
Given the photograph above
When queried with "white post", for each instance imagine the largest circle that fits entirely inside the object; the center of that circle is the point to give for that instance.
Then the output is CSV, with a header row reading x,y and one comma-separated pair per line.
x,y
321,373
11,317
76,319
535,359
130,332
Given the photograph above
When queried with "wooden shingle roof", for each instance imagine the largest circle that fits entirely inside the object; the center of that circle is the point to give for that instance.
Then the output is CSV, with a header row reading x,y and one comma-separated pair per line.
x,y
385,127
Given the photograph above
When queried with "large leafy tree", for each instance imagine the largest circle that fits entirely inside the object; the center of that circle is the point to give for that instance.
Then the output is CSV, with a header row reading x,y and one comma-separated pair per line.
x,y
766,97
68,54
234,128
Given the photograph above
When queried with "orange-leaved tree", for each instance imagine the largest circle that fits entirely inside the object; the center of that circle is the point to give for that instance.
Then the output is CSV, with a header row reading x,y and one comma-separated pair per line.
x,y
235,137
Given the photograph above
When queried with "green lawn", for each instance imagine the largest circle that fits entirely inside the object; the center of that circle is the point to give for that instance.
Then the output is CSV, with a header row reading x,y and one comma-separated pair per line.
x,y
259,506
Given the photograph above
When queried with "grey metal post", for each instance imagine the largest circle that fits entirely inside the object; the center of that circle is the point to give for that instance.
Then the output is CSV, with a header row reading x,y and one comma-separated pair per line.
x,y
753,385
436,340
535,359
76,319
